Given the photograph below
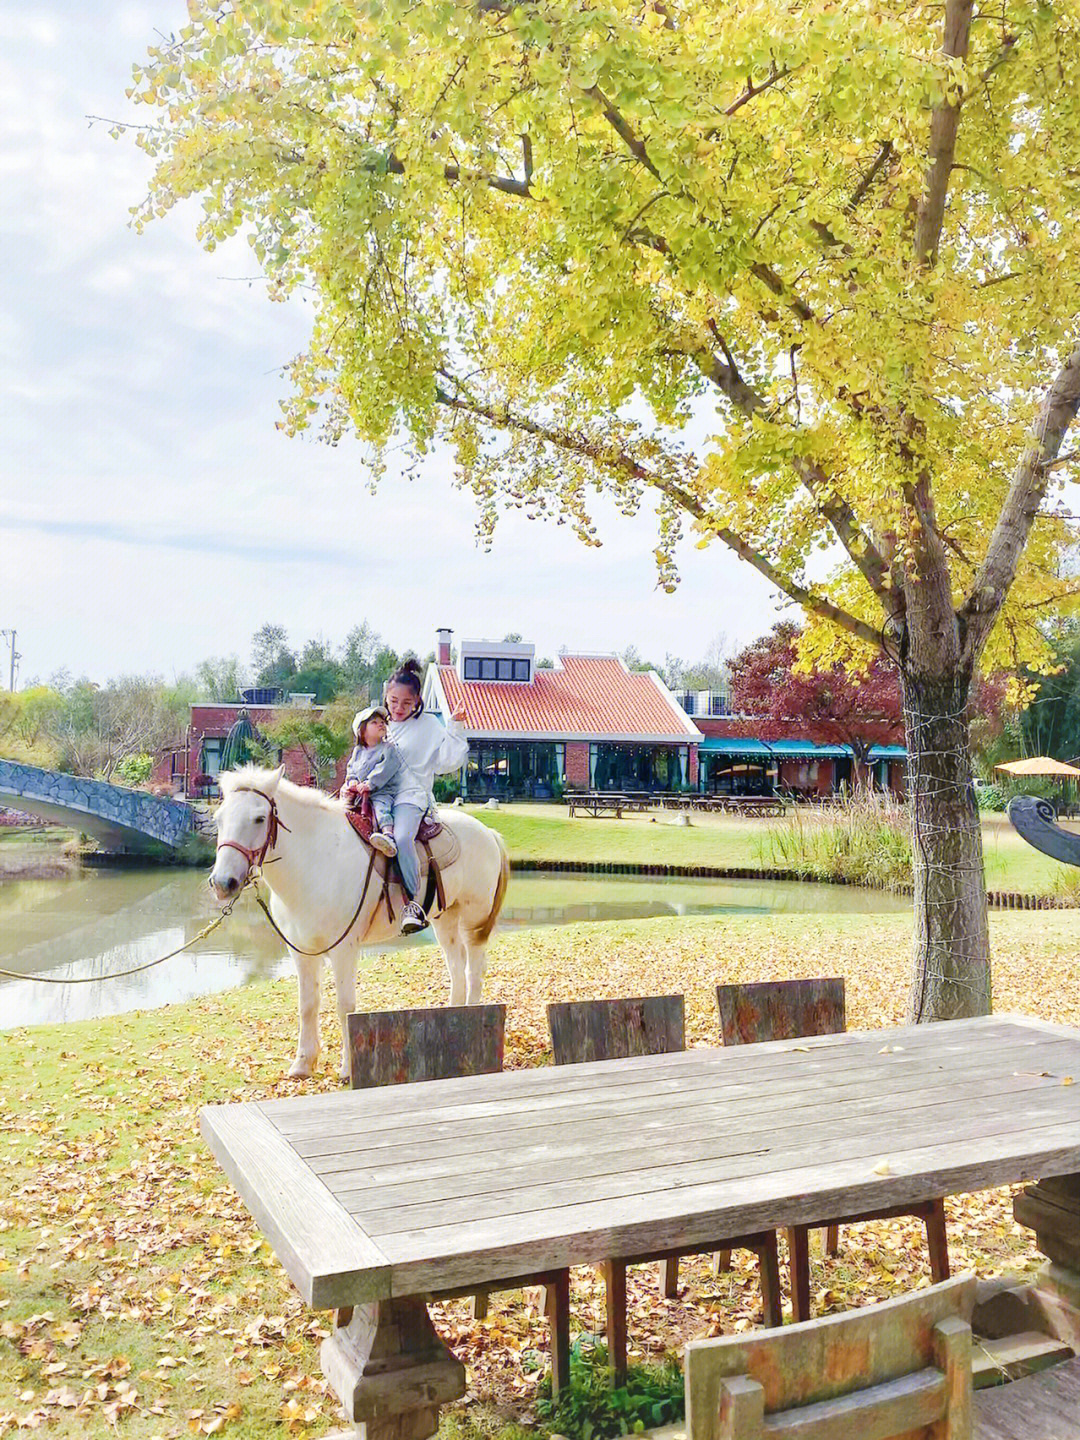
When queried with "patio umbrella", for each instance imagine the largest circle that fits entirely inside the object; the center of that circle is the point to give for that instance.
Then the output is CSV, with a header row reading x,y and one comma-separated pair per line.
x,y
240,742
1041,765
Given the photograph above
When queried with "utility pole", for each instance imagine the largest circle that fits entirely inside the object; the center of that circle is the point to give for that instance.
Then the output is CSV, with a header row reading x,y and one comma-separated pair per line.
x,y
14,656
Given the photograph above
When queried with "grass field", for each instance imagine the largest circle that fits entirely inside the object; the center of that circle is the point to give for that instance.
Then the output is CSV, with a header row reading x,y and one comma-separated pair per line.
x,y
137,1298
545,832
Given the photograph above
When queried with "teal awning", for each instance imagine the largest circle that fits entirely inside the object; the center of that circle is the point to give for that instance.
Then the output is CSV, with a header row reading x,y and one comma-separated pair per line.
x,y
791,749
807,750
734,745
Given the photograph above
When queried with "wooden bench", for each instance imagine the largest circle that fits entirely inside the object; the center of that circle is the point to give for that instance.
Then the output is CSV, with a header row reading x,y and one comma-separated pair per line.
x,y
1042,1407
603,802
898,1369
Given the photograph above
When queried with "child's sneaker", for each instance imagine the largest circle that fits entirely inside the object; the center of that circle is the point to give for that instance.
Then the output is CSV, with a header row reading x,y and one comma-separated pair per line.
x,y
413,919
383,844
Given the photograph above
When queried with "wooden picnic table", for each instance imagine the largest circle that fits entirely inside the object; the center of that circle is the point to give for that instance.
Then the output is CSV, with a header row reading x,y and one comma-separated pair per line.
x,y
608,802
375,1199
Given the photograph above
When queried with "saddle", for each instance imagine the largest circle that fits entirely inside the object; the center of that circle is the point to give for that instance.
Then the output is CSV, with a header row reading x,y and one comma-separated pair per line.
x,y
439,848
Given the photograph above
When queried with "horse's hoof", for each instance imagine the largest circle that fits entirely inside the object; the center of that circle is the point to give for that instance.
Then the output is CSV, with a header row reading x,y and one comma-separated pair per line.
x,y
344,1076
299,1070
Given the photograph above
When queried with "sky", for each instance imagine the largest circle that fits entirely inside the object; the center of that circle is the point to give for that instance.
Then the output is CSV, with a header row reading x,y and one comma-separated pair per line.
x,y
150,513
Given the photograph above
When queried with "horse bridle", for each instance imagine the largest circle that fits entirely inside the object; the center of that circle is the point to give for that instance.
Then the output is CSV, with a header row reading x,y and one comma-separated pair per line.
x,y
257,858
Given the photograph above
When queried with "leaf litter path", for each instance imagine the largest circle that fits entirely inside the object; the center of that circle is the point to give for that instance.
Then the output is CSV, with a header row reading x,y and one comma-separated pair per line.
x,y
137,1297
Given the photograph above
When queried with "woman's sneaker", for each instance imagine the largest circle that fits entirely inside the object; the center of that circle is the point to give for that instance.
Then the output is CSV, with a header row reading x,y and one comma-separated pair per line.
x,y
413,919
382,843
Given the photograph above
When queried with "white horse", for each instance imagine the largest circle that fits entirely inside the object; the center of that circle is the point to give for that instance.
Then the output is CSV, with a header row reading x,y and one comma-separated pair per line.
x,y
315,869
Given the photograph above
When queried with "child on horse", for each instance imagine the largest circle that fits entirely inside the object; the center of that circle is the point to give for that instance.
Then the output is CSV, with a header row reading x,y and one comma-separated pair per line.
x,y
427,748
375,769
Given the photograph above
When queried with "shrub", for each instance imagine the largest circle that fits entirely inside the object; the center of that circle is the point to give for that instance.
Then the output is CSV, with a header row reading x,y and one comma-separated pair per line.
x,y
991,798
865,839
133,770
446,789
589,1409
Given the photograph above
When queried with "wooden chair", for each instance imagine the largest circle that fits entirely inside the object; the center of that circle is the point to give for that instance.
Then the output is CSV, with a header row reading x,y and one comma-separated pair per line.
x,y
399,1047
898,1369
617,1030
793,1010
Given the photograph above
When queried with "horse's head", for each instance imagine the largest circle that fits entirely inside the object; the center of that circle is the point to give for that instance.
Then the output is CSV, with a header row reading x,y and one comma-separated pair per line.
x,y
247,824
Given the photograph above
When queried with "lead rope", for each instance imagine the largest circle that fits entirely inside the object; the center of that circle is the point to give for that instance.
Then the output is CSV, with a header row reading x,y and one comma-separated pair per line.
x,y
135,969
254,876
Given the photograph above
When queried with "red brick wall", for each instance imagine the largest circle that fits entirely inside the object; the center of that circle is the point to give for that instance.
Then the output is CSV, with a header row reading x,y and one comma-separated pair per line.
x,y
693,768
795,775
577,764
216,721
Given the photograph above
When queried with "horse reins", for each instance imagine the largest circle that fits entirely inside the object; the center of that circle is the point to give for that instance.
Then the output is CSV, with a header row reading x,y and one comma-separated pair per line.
x,y
257,859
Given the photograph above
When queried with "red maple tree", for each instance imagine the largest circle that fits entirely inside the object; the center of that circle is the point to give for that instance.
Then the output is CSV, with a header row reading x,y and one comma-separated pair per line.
x,y
830,707
835,707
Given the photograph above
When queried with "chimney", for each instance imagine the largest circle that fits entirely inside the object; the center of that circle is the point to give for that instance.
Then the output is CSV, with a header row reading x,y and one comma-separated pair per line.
x,y
442,645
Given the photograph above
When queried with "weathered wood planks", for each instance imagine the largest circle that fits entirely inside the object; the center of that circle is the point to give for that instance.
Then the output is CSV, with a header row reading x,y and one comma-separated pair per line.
x,y
590,1030
781,1010
400,1047
1042,1407
317,1241
887,1370
662,1153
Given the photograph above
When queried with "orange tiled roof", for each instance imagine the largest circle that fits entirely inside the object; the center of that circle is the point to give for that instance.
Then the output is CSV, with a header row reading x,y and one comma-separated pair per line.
x,y
584,696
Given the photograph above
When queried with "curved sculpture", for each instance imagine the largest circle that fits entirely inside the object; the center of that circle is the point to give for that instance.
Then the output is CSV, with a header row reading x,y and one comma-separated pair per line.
x,y
1036,822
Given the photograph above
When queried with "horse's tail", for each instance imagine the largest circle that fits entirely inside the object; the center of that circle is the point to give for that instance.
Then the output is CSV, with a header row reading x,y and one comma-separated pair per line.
x,y
482,933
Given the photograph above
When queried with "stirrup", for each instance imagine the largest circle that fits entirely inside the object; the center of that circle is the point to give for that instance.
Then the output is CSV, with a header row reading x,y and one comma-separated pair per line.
x,y
413,919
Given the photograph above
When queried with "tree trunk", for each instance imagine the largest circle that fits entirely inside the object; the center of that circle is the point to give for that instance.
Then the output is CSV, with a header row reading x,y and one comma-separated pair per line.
x,y
951,975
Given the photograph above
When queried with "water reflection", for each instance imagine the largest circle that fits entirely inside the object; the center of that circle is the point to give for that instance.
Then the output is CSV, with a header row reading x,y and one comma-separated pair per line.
x,y
102,922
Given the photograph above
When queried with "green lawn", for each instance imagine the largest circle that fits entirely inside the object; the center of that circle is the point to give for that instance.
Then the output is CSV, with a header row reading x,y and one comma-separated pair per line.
x,y
545,832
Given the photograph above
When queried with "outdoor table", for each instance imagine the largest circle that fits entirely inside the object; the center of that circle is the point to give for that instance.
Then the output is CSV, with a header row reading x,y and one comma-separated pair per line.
x,y
375,1199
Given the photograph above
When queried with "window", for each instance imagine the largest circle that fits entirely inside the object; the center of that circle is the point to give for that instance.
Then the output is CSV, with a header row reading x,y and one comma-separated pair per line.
x,y
688,701
718,702
211,755
481,667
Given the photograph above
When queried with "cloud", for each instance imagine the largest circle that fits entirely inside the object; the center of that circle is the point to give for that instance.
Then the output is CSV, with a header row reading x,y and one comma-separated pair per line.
x,y
152,513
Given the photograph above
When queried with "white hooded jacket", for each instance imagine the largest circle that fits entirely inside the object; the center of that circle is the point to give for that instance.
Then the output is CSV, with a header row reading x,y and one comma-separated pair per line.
x,y
427,748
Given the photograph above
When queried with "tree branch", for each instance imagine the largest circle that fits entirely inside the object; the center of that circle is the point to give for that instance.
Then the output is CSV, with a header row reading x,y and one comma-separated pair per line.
x,y
616,458
833,508
1029,483
944,124
624,130
752,89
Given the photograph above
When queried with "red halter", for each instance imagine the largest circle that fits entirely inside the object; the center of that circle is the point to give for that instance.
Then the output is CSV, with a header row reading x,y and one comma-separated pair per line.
x,y
256,858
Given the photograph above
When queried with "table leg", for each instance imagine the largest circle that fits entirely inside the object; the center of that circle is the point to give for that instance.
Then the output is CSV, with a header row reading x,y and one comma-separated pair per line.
x,y
391,1371
1052,1209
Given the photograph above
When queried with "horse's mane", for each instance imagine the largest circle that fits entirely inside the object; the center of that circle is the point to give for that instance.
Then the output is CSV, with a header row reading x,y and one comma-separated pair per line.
x,y
257,777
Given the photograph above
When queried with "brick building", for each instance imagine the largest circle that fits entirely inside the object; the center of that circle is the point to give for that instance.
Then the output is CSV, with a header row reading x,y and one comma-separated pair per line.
x,y
192,768
586,722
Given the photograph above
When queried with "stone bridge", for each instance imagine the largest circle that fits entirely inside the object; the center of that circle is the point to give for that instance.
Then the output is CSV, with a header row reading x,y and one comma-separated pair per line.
x,y
118,818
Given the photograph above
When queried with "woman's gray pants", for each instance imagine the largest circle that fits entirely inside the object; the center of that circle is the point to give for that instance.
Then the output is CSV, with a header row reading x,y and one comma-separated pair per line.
x,y
406,823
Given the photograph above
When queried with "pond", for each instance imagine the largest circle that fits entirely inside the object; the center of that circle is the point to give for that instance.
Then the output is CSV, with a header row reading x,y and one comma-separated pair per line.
x,y
101,921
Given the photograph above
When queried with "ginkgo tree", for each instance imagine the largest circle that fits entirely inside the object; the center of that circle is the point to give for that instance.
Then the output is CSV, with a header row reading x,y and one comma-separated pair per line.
x,y
807,272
